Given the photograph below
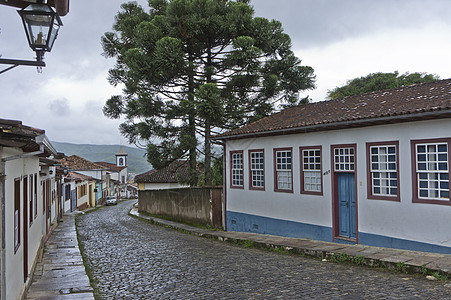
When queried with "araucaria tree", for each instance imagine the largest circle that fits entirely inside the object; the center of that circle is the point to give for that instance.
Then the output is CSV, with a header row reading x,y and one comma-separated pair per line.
x,y
189,67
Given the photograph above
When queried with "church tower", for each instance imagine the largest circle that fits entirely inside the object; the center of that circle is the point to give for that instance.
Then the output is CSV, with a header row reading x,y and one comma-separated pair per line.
x,y
121,158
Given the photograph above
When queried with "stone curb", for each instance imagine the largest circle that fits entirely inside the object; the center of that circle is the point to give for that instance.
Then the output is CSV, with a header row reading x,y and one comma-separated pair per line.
x,y
404,261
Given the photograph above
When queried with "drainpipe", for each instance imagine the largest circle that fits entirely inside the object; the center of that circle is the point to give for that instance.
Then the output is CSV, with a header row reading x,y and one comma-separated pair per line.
x,y
224,185
43,142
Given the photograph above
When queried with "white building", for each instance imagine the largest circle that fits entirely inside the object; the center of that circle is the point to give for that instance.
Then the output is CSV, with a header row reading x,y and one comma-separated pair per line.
x,y
170,177
371,169
118,172
25,193
98,188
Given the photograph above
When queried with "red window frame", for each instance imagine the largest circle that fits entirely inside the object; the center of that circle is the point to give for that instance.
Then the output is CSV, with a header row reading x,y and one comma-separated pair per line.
x,y
369,176
31,194
301,155
276,185
231,169
251,182
415,188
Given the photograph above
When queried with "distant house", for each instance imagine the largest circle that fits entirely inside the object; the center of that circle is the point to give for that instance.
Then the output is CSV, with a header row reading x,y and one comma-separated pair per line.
x,y
50,170
371,169
119,172
80,165
84,187
27,193
165,178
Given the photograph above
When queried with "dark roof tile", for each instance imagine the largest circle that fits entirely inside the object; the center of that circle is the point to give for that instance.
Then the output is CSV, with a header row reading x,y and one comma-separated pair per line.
x,y
400,102
175,172
76,162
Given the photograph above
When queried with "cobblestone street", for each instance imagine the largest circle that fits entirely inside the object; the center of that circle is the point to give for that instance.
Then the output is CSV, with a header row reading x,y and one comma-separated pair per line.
x,y
132,259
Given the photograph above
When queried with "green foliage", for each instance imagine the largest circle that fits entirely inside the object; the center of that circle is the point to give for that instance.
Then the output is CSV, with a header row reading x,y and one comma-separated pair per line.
x,y
442,277
401,267
424,270
191,66
379,81
248,244
341,258
217,171
358,260
208,104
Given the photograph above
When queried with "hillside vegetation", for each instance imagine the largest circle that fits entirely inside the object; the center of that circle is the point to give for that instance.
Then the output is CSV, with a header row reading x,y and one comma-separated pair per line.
x,y
137,162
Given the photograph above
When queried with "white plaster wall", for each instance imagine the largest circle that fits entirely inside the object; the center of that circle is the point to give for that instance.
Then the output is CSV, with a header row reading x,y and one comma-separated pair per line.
x,y
123,172
163,186
309,209
115,175
14,261
427,223
67,205
97,174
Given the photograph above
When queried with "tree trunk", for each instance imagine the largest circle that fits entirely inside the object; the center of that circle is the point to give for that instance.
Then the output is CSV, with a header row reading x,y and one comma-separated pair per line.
x,y
207,124
207,153
192,125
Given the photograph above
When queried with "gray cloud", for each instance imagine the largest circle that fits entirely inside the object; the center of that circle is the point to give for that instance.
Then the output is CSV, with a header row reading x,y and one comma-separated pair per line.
x,y
315,23
59,106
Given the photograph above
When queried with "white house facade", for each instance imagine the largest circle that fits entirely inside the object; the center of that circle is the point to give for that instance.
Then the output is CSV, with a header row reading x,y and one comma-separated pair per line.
x,y
371,169
25,188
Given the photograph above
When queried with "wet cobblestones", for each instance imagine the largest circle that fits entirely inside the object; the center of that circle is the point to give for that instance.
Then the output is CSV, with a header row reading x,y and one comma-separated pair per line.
x,y
132,259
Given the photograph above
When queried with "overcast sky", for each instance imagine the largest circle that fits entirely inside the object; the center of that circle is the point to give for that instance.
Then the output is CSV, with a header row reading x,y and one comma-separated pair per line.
x,y
340,39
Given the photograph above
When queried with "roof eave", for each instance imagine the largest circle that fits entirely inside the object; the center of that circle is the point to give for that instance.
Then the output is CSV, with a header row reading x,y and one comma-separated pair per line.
x,y
344,124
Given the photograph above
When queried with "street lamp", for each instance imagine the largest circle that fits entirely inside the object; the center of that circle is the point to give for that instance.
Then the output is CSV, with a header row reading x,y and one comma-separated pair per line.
x,y
41,25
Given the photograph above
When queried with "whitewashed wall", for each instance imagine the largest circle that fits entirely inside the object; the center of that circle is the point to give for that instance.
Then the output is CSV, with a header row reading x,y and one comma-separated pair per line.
x,y
161,186
97,174
14,261
427,223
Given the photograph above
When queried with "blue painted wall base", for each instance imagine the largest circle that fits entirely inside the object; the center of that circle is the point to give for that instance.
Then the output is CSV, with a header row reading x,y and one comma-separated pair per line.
x,y
390,242
263,225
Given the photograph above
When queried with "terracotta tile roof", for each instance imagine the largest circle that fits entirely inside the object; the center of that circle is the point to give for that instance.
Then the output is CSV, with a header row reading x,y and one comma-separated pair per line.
x,y
14,134
110,166
79,177
48,161
415,102
76,162
170,174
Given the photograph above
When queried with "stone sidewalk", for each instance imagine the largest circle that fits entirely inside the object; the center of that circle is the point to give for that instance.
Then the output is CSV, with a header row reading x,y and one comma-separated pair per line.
x,y
398,259
61,273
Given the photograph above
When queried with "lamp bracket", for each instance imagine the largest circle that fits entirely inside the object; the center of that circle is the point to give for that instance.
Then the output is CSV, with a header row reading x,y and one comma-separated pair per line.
x,y
16,62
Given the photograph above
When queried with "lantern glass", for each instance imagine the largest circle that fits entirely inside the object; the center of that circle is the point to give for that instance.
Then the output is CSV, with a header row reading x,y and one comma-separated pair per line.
x,y
41,25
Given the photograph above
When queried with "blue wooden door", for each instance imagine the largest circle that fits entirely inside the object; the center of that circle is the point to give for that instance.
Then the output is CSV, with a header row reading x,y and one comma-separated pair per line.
x,y
346,205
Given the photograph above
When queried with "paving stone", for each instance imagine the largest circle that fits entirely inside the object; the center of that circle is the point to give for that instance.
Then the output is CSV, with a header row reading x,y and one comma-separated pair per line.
x,y
132,259
396,258
61,273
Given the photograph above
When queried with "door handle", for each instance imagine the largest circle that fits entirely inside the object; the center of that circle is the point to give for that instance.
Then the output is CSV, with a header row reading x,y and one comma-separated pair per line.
x,y
347,204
